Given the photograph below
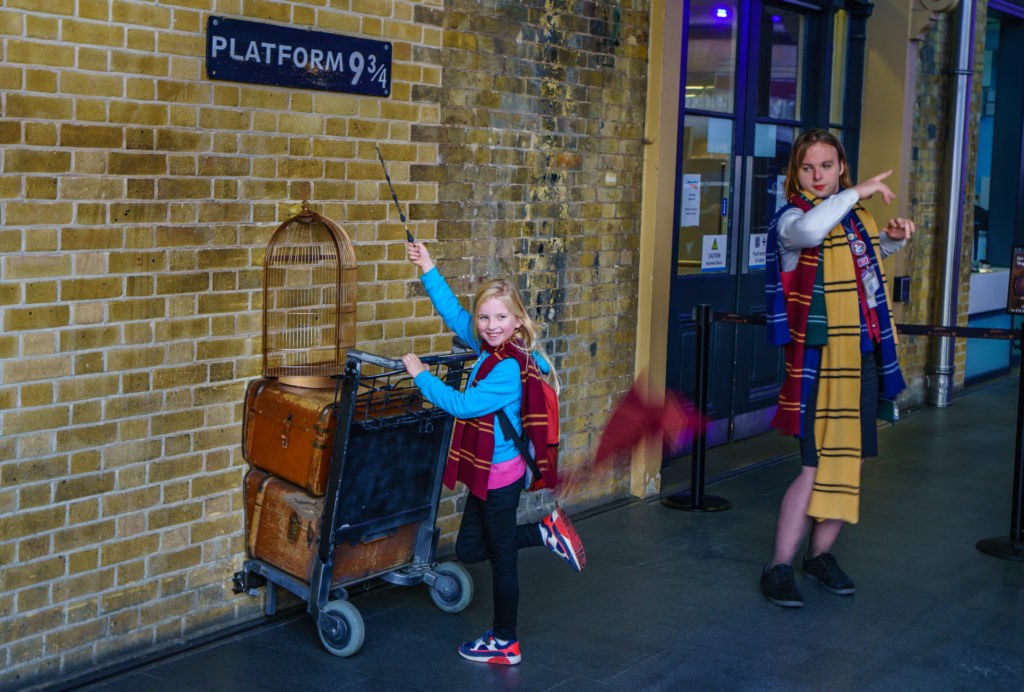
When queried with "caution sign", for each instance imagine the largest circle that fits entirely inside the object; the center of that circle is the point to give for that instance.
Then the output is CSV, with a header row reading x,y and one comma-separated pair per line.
x,y
713,256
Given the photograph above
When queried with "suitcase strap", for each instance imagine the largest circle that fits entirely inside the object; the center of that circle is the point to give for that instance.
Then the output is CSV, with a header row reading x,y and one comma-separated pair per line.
x,y
256,511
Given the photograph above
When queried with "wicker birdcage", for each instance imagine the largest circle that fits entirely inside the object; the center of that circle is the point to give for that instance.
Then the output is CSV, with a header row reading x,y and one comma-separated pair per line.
x,y
309,300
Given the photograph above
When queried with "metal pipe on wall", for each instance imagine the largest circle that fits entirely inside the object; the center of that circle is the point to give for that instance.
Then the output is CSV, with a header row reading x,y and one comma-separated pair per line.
x,y
940,370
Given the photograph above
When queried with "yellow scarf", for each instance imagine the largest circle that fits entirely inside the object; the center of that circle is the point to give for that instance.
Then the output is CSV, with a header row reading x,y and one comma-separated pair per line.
x,y
837,424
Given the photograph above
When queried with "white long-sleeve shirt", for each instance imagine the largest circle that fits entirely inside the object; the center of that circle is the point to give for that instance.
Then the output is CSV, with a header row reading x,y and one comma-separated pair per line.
x,y
798,229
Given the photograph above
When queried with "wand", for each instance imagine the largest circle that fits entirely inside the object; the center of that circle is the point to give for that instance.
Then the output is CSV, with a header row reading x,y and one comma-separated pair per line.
x,y
393,195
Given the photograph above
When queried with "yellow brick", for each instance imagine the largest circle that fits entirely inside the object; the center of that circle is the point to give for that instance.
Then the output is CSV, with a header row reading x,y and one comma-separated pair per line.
x,y
76,634
216,438
36,266
92,33
34,395
33,496
176,515
33,548
39,53
33,598
94,9
31,623
34,471
138,114
91,289
28,574
81,590
36,369
40,292
38,213
83,536
224,119
99,136
223,303
174,561
143,15
128,406
136,163
91,238
83,561
114,552
38,187
146,309
85,339
84,437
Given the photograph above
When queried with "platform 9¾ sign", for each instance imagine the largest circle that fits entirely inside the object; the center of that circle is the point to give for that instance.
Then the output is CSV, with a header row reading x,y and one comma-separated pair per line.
x,y
256,53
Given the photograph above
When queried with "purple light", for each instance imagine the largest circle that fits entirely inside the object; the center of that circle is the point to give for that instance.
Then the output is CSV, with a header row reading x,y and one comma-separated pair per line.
x,y
721,13
776,19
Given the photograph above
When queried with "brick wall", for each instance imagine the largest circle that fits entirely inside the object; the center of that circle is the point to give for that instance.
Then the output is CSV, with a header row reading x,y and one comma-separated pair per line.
x,y
136,199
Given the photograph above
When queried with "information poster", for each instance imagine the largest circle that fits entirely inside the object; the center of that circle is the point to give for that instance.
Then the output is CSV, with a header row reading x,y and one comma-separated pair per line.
x,y
1015,299
691,199
758,250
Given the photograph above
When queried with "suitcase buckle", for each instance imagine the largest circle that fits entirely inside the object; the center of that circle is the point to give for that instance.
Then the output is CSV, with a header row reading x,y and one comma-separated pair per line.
x,y
284,433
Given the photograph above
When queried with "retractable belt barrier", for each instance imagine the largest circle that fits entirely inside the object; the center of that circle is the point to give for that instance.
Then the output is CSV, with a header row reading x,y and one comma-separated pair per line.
x,y
694,498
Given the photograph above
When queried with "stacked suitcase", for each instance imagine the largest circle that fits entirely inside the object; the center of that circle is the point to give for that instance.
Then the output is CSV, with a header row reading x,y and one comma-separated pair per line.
x,y
288,438
343,486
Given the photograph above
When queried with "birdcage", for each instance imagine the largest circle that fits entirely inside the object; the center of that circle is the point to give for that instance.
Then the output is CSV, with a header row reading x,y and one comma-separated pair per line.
x,y
309,301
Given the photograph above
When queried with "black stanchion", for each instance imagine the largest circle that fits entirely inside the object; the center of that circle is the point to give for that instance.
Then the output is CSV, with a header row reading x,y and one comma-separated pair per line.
x,y
694,499
1012,548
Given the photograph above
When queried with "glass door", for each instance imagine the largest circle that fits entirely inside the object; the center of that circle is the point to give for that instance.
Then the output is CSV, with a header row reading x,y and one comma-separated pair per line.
x,y
756,73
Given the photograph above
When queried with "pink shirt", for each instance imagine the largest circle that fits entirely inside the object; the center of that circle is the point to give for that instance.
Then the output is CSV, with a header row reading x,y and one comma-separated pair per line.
x,y
506,472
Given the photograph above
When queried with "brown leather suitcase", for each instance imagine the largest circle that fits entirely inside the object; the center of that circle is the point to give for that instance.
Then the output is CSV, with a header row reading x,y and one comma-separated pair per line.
x,y
283,529
289,431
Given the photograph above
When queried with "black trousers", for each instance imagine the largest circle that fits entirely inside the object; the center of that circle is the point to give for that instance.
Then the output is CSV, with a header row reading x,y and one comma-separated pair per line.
x,y
489,532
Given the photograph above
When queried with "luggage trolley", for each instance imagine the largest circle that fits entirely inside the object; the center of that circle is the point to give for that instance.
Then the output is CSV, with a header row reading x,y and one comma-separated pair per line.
x,y
384,483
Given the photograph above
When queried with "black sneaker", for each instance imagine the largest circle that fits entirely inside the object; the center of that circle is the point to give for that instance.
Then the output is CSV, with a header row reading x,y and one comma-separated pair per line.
x,y
779,586
826,571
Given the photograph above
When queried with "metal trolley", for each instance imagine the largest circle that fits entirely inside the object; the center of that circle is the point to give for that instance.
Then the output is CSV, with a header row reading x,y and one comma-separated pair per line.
x,y
385,473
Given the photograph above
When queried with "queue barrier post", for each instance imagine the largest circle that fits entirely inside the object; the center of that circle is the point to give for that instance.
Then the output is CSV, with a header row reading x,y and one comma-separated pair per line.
x,y
694,499
1012,548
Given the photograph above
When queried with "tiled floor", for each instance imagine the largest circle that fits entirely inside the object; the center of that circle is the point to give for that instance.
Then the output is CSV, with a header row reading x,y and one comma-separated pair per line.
x,y
669,599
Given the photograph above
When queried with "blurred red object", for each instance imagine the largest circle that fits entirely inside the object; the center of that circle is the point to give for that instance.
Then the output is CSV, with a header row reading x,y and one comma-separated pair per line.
x,y
637,417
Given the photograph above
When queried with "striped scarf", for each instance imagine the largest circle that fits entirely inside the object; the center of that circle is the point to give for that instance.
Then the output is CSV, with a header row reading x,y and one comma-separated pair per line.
x,y
814,313
472,449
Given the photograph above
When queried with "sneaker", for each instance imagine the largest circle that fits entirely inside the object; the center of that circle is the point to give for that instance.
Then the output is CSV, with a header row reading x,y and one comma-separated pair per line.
x,y
487,649
826,571
561,538
779,586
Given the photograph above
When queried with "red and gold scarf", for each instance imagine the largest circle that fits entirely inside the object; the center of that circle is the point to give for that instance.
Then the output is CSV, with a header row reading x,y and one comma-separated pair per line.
x,y
472,448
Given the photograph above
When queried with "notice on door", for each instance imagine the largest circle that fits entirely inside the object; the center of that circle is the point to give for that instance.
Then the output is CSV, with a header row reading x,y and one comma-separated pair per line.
x,y
712,259
691,200
758,250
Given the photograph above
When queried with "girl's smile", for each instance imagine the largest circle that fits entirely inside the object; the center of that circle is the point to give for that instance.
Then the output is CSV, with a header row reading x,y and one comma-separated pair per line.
x,y
495,323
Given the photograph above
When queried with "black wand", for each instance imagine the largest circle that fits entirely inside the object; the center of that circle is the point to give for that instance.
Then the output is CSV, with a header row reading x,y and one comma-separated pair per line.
x,y
398,206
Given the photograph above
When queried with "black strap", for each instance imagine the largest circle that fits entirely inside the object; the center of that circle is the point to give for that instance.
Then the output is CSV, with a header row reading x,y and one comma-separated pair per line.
x,y
524,449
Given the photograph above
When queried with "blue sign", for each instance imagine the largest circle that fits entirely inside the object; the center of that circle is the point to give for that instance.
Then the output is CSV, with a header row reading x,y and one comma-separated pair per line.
x,y
256,53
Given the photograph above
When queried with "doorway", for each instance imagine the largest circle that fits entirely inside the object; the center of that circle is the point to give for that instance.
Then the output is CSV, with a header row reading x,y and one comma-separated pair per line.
x,y
756,73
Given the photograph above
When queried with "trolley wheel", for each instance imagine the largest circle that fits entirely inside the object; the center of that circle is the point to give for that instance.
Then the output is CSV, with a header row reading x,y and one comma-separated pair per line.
x,y
453,589
346,637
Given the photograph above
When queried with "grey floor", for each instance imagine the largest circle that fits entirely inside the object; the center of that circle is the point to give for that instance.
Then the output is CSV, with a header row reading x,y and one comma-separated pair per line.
x,y
669,599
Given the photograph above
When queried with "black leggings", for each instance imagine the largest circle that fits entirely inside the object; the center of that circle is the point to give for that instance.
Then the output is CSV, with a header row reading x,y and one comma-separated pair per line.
x,y
489,532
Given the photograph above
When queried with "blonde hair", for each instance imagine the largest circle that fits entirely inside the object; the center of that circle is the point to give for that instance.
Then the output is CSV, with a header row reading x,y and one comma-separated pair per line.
x,y
800,146
505,291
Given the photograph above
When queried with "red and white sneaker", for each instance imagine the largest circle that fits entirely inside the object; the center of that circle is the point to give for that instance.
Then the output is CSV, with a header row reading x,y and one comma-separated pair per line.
x,y
561,538
487,649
